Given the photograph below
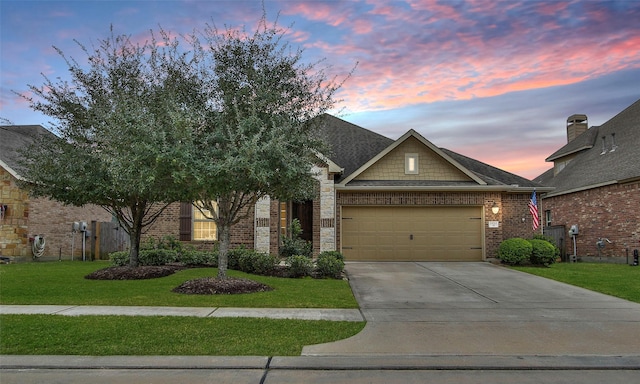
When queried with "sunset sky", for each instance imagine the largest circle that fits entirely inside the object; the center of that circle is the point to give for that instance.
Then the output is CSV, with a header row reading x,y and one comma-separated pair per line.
x,y
493,80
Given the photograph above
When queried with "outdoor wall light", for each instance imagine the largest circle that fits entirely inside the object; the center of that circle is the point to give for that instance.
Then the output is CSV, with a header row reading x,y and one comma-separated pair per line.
x,y
494,208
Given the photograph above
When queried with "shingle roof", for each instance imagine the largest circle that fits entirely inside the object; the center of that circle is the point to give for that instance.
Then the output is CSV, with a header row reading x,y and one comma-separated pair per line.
x,y
350,146
353,146
13,138
585,141
489,174
592,167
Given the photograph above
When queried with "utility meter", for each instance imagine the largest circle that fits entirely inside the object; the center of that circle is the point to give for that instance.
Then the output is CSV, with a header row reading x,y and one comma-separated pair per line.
x,y
573,230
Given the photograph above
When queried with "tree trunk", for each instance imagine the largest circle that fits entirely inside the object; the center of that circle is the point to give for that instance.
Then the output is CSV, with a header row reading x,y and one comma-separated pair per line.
x,y
137,213
225,242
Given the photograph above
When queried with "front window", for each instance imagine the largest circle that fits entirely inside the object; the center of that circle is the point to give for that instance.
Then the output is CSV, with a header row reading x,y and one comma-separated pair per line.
x,y
547,218
204,228
283,218
411,164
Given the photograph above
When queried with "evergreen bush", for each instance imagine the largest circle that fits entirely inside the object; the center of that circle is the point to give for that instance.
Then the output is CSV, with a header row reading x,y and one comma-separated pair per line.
x,y
299,266
257,263
543,252
329,265
294,245
514,251
145,257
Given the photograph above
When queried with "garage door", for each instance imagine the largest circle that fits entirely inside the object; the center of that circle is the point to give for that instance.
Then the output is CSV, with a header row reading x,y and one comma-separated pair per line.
x,y
412,233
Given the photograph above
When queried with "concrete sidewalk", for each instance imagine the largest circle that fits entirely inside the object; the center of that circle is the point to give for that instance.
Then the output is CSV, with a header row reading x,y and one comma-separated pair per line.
x,y
271,313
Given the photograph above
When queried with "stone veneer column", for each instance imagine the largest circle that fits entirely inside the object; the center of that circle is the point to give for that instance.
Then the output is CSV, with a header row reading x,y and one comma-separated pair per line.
x,y
262,222
327,210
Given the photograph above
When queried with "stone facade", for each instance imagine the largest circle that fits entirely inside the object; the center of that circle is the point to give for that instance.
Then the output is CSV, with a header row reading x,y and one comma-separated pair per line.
x,y
27,217
610,212
263,225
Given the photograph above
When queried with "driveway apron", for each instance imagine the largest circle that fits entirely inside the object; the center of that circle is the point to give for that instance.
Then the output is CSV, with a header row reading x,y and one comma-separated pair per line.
x,y
435,308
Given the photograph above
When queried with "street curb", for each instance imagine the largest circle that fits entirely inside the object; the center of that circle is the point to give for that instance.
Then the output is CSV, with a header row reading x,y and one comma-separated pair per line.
x,y
329,363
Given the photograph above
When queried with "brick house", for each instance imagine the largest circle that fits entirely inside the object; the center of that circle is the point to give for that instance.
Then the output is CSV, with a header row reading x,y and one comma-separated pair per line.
x,y
596,177
24,217
383,199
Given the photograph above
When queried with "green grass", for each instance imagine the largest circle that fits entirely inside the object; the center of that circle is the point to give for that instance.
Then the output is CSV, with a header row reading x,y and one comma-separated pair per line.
x,y
612,279
122,335
63,283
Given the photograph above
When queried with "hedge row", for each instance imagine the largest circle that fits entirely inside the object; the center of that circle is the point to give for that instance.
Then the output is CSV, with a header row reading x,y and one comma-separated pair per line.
x,y
166,251
538,251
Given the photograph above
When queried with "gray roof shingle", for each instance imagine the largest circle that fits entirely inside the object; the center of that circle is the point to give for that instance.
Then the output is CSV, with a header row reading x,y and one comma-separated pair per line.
x,y
592,166
13,138
352,146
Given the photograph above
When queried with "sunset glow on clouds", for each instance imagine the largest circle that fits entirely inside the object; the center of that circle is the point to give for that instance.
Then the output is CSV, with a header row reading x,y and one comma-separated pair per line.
x,y
493,80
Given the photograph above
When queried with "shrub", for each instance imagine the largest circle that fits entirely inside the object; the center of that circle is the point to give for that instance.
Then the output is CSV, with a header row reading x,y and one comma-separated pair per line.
x,y
514,251
233,256
166,242
543,252
257,263
145,257
299,266
294,245
119,259
329,265
195,257
157,256
335,254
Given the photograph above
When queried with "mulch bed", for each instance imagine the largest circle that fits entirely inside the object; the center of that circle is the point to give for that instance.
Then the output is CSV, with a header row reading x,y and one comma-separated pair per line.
x,y
137,273
202,286
217,286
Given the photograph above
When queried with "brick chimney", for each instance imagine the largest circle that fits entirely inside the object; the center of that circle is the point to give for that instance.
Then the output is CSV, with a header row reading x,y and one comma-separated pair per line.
x,y
576,125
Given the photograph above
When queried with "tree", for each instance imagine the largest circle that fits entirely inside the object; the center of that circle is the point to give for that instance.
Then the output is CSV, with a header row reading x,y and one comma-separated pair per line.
x,y
123,124
258,136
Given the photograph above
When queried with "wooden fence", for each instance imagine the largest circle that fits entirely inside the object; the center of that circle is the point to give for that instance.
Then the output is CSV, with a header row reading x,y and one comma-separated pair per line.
x,y
107,237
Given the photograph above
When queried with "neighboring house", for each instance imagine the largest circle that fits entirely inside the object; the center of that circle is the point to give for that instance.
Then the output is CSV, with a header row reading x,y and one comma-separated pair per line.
x,y
383,199
596,177
24,217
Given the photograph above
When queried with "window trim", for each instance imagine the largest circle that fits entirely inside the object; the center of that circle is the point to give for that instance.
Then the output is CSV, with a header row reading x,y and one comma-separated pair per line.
x,y
195,220
410,158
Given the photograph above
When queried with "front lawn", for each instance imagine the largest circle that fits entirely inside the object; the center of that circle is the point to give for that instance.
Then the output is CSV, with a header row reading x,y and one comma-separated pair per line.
x,y
164,335
612,279
63,283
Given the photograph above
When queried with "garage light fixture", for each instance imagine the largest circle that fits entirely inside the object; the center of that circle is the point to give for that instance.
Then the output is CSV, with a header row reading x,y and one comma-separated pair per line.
x,y
494,208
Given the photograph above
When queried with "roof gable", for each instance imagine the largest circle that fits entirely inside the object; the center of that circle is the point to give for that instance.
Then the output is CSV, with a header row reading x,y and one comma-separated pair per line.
x,y
434,165
13,138
603,163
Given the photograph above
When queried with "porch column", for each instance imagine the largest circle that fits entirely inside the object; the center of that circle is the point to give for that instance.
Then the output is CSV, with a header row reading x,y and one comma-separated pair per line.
x,y
262,221
327,210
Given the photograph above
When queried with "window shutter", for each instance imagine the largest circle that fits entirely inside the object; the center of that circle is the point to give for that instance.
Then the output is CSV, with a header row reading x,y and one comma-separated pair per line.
x,y
185,221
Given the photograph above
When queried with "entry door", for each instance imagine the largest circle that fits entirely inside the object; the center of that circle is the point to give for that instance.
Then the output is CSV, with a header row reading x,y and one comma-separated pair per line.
x,y
304,213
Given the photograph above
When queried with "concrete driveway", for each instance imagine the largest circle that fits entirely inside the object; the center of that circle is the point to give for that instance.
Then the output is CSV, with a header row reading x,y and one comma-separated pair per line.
x,y
481,309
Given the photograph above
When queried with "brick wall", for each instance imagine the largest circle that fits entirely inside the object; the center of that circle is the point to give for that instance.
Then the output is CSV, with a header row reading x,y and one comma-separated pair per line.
x,y
168,224
611,212
29,217
54,220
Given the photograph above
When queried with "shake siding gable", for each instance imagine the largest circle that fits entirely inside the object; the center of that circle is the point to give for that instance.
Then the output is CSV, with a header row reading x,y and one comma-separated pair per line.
x,y
431,166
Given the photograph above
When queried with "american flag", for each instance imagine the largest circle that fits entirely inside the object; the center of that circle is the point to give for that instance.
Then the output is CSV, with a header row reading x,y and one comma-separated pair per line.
x,y
533,208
